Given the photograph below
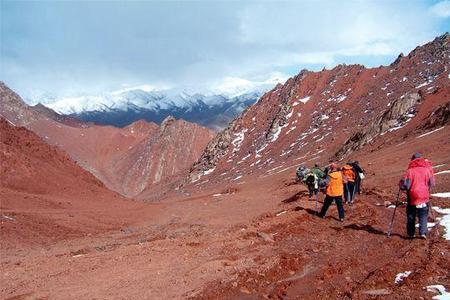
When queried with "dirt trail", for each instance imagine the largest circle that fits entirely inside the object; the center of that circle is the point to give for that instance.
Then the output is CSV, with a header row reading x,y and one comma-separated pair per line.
x,y
177,254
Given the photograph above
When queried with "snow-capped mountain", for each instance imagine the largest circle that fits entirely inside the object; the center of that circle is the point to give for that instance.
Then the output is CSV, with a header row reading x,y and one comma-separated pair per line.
x,y
213,107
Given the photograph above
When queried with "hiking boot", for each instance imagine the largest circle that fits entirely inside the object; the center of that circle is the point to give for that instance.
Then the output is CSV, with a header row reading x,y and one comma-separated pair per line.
x,y
341,219
423,236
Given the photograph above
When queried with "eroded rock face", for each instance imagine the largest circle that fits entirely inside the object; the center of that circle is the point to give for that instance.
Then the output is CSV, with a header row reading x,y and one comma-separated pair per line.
x,y
439,117
396,116
214,151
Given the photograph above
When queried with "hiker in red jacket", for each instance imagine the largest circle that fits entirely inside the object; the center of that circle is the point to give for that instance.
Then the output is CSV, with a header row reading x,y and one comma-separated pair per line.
x,y
417,181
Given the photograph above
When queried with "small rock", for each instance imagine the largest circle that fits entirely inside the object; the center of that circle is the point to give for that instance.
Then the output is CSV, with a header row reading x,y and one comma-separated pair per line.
x,y
245,290
378,292
266,237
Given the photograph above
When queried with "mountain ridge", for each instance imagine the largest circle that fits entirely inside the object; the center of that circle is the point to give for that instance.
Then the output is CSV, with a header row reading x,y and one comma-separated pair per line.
x,y
126,160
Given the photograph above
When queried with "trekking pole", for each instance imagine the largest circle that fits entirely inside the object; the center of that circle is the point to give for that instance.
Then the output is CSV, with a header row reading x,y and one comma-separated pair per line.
x,y
393,215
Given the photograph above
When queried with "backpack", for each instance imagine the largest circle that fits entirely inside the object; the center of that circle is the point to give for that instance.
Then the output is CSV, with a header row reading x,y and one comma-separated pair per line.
x,y
301,173
310,179
323,183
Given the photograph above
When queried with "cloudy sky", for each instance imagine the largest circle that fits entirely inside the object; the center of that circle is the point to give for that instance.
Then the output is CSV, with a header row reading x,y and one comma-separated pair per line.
x,y
71,48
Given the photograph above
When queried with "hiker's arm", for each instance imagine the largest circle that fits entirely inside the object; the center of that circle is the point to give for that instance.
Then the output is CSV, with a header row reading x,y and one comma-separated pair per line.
x,y
405,182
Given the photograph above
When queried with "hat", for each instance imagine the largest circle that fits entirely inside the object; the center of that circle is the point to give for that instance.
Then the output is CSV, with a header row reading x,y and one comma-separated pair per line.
x,y
316,165
416,155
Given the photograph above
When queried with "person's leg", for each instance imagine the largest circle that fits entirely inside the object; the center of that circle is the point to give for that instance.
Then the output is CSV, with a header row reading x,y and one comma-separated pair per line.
x,y
326,205
411,220
423,220
351,189
346,193
310,190
340,207
359,186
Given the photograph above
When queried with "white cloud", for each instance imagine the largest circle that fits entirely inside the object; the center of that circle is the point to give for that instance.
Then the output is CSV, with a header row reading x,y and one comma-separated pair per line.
x,y
205,43
441,9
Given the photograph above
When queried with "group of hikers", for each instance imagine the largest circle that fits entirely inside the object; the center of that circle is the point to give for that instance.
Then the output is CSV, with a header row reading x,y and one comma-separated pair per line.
x,y
344,183
335,182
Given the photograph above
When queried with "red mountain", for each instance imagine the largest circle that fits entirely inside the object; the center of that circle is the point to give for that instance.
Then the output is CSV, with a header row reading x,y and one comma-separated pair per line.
x,y
128,159
334,114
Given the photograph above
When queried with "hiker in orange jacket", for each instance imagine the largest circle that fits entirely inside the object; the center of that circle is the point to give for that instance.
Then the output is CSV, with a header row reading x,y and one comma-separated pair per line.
x,y
335,189
349,187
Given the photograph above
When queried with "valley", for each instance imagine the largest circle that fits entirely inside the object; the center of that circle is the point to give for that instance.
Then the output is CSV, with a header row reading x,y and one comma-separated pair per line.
x,y
176,211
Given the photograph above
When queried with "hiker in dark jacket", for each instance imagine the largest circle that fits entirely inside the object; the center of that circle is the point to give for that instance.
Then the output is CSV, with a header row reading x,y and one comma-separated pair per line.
x,y
359,172
417,181
334,191
312,182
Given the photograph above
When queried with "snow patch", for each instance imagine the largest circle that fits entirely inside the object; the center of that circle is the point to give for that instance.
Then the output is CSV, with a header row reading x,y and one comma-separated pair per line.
x,y
422,85
277,133
291,129
429,225
441,195
258,151
324,117
245,157
431,132
285,152
209,171
438,288
442,172
237,142
401,276
304,100
438,166
445,220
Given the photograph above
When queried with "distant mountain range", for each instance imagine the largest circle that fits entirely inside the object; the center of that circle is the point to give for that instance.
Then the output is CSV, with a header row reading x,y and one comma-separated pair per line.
x,y
213,108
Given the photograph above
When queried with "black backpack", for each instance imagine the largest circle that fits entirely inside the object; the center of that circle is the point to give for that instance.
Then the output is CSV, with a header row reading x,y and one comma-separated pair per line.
x,y
310,179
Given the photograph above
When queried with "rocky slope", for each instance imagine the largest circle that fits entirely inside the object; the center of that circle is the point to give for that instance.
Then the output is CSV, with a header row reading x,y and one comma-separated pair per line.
x,y
126,159
328,115
28,164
